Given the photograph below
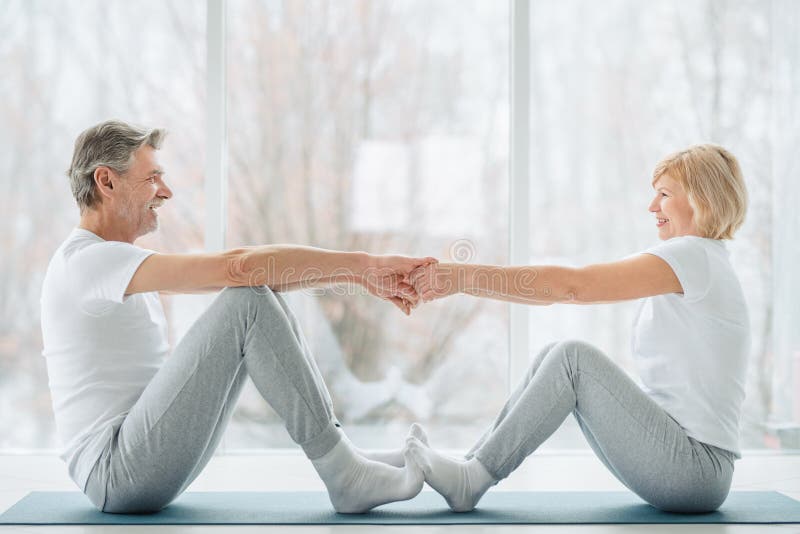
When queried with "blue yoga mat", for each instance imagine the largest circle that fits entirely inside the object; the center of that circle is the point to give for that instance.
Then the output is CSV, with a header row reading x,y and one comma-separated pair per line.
x,y
428,508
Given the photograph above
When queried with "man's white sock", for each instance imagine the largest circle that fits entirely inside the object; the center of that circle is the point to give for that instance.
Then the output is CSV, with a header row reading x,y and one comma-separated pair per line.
x,y
356,484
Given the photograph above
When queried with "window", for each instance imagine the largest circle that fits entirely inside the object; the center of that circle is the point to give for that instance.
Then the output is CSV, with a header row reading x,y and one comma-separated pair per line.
x,y
617,86
377,126
69,65
384,126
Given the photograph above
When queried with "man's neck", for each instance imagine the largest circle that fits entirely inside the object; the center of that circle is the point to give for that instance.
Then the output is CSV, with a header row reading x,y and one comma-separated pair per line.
x,y
100,224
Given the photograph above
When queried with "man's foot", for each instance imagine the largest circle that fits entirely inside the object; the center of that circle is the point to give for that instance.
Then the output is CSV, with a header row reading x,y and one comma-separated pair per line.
x,y
462,483
356,484
394,456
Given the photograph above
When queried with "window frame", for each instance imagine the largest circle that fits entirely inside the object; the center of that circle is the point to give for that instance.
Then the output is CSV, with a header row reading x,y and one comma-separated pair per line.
x,y
216,179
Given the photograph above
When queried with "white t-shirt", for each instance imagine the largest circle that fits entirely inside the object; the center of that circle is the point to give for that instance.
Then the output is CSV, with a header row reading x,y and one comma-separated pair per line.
x,y
101,348
691,350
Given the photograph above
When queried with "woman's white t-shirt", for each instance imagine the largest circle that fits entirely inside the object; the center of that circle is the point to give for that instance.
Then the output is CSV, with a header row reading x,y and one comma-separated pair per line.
x,y
101,347
691,350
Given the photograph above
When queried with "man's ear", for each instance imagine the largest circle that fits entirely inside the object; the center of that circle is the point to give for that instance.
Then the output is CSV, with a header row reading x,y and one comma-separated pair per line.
x,y
104,181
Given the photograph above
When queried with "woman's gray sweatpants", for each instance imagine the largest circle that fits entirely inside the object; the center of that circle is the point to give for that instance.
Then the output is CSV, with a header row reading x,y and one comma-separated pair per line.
x,y
645,448
171,432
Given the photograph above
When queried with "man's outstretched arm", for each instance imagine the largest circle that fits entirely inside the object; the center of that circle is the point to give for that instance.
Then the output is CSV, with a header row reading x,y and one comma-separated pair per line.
x,y
280,267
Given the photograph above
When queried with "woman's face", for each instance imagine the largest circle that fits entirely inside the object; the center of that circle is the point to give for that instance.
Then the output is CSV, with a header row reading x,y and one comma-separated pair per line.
x,y
672,210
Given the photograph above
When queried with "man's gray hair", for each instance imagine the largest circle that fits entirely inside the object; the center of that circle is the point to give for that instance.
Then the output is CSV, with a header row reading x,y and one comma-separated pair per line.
x,y
108,144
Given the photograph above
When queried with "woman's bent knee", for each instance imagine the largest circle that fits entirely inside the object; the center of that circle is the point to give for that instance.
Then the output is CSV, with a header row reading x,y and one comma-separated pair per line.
x,y
577,346
581,354
574,351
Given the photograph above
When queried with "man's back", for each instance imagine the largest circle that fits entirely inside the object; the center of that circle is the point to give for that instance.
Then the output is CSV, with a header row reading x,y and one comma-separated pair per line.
x,y
101,348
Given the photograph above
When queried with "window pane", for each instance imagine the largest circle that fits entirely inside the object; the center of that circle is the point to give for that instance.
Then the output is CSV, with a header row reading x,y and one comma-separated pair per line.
x,y
377,126
68,65
619,85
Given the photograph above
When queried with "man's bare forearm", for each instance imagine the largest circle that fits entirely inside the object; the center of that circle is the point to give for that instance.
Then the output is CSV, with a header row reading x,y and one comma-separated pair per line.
x,y
294,266
315,283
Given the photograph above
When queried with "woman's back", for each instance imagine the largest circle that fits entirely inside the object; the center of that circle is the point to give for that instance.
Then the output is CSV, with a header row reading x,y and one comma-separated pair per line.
x,y
691,350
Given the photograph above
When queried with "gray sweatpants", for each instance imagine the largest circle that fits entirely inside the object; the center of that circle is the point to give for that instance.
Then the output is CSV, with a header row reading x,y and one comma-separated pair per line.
x,y
176,424
645,448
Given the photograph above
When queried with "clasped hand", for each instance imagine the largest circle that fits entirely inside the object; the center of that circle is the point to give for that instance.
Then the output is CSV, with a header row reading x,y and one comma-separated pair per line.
x,y
405,281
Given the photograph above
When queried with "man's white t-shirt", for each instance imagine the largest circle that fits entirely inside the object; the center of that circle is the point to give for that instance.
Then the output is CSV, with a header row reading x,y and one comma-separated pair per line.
x,y
691,350
101,347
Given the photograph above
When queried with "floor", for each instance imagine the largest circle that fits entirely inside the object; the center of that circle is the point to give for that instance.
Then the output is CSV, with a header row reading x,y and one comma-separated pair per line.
x,y
288,470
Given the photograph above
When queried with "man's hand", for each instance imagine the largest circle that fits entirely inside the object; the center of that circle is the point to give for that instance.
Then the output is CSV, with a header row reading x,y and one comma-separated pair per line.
x,y
435,281
386,277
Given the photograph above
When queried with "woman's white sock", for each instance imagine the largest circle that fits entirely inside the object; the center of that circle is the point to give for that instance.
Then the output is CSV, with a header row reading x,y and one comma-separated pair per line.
x,y
462,483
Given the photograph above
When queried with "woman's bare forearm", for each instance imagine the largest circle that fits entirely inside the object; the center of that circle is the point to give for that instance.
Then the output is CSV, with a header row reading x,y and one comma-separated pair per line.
x,y
539,285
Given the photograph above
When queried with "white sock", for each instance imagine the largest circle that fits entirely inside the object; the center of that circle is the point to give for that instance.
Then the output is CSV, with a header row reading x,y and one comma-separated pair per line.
x,y
394,456
418,432
356,484
462,483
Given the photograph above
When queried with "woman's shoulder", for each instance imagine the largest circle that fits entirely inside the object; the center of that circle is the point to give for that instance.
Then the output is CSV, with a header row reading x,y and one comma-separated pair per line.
x,y
693,243
697,240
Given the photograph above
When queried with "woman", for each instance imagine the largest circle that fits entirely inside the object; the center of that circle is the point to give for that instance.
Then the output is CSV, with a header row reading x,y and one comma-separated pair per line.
x,y
672,442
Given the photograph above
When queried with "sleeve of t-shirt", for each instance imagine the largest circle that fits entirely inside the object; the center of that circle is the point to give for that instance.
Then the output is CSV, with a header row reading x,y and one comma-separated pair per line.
x,y
100,273
689,261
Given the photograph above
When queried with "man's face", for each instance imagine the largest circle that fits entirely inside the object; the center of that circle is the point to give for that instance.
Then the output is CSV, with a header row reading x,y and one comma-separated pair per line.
x,y
145,190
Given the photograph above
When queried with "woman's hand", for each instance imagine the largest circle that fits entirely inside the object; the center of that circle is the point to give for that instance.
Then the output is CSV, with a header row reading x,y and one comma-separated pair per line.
x,y
436,280
386,277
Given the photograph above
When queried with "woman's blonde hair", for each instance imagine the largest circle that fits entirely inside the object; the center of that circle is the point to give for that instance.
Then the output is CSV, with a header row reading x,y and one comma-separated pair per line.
x,y
713,181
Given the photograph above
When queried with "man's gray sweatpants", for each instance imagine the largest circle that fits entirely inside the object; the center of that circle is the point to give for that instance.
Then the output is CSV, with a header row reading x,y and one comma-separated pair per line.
x,y
645,448
176,424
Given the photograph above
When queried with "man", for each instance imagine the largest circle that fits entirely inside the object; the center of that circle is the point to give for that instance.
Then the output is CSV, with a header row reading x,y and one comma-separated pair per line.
x,y
139,427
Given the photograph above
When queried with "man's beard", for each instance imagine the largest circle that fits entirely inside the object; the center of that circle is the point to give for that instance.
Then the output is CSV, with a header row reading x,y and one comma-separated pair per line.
x,y
140,219
149,222
152,226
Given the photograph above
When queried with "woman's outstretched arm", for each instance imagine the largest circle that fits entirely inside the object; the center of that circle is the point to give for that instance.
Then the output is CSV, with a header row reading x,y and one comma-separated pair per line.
x,y
634,277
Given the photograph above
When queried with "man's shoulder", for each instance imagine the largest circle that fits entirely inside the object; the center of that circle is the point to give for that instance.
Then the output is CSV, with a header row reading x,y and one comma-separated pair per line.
x,y
94,248
76,240
73,243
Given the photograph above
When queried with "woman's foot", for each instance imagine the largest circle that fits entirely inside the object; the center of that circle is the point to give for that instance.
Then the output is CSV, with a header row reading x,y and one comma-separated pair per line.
x,y
356,484
394,456
416,431
462,483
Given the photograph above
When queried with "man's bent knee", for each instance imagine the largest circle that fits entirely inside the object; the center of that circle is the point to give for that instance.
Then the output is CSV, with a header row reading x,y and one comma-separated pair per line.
x,y
246,295
241,292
